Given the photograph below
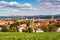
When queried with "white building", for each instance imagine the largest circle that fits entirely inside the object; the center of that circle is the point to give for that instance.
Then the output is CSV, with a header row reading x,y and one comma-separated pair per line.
x,y
21,27
58,30
39,30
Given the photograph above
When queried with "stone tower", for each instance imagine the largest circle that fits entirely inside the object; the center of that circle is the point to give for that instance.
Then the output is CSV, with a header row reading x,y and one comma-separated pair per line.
x,y
52,18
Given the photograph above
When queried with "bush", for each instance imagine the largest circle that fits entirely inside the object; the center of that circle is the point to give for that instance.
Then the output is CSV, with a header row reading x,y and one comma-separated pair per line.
x,y
45,28
29,30
13,28
4,28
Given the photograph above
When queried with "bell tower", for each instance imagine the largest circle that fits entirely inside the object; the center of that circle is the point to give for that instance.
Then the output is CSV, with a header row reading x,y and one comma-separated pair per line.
x,y
52,19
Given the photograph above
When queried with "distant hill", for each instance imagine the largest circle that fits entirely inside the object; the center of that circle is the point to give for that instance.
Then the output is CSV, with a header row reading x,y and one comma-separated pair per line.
x,y
35,16
43,16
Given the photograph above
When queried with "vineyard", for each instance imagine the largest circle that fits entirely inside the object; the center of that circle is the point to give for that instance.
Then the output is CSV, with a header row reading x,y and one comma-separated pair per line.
x,y
29,36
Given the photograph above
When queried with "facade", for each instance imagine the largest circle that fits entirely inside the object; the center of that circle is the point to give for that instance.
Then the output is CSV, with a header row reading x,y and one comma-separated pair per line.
x,y
21,27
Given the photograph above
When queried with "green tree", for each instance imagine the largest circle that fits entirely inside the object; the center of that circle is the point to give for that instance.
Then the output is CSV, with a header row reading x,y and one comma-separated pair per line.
x,y
25,30
4,28
27,23
13,28
30,30
57,24
51,27
22,22
17,23
44,28
8,23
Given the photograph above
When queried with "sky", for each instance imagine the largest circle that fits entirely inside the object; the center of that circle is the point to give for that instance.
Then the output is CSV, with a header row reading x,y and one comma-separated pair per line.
x,y
29,7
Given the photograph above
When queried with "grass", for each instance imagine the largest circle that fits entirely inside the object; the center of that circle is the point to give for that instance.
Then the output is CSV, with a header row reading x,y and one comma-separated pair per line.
x,y
29,36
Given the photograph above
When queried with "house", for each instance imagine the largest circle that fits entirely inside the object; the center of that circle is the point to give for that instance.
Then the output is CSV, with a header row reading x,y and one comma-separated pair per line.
x,y
2,27
35,29
21,27
57,29
42,23
39,30
58,21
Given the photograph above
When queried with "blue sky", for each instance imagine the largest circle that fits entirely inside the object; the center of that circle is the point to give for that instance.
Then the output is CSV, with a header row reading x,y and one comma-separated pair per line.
x,y
29,7
33,2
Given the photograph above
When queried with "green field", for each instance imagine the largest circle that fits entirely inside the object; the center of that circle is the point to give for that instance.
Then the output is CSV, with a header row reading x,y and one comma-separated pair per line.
x,y
29,36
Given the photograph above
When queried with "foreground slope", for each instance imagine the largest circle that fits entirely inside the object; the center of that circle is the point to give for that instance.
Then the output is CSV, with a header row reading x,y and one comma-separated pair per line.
x,y
29,36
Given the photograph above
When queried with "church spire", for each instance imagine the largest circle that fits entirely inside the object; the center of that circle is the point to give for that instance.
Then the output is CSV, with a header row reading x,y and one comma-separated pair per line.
x,y
52,18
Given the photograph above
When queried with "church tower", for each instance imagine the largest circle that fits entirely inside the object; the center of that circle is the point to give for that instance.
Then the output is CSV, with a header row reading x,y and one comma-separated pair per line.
x,y
53,19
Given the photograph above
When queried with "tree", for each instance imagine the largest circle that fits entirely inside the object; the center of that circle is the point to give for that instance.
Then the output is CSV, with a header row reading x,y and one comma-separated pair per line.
x,y
25,30
30,30
17,23
57,25
8,23
27,23
51,27
13,28
44,28
4,28
22,22
51,22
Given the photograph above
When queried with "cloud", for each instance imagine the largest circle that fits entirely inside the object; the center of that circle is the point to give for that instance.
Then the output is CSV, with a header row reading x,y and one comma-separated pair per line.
x,y
8,12
15,8
16,5
49,6
53,2
45,7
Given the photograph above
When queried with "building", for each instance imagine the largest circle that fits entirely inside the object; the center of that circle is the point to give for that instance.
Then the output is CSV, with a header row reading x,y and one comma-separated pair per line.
x,y
21,27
